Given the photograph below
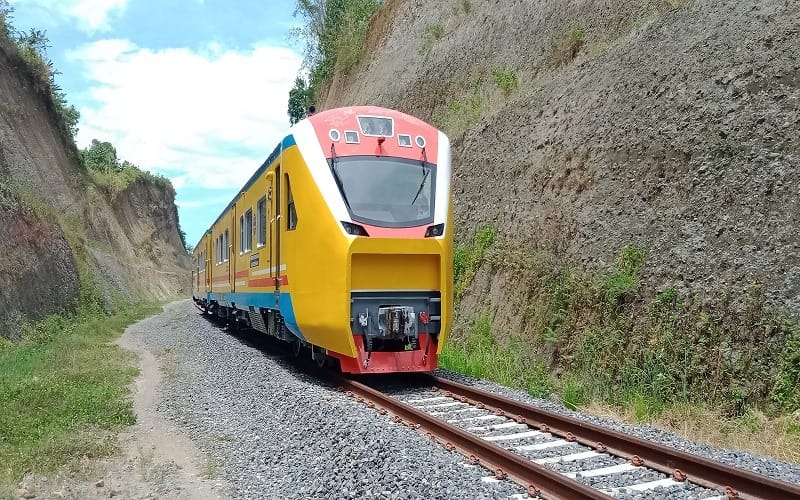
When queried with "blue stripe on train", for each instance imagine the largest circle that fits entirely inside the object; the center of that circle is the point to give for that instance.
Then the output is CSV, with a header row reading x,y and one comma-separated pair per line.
x,y
265,300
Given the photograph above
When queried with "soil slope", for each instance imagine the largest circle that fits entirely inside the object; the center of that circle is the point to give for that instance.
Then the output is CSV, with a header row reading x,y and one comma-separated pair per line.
x,y
670,125
59,233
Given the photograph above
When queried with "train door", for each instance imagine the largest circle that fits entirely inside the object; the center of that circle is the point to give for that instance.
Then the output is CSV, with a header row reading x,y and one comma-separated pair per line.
x,y
207,258
275,230
270,225
231,241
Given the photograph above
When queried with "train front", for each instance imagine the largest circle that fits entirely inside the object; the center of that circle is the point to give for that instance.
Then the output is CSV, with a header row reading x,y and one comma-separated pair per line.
x,y
392,176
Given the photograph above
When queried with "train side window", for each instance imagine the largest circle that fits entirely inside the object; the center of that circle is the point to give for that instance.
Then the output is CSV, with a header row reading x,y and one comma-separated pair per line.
x,y
226,248
261,223
247,231
291,219
241,234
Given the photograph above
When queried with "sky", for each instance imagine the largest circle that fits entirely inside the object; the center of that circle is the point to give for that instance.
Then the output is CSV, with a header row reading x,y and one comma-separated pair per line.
x,y
195,90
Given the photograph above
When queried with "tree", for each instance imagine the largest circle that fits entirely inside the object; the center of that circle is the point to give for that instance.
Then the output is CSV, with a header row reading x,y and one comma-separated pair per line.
x,y
299,100
6,10
101,157
333,32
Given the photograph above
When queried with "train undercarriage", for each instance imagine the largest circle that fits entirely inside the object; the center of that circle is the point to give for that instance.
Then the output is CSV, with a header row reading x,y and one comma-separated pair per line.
x,y
388,338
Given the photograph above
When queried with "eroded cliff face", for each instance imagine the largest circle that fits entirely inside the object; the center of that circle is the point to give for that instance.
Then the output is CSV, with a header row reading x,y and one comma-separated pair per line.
x,y
59,233
673,126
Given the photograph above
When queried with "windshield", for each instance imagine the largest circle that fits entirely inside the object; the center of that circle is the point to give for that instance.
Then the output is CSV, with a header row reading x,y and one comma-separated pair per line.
x,y
387,192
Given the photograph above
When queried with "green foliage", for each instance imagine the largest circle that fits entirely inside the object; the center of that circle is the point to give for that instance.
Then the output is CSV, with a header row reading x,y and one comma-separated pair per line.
x,y
63,385
566,48
6,18
467,258
786,393
598,335
624,278
460,114
466,5
573,395
481,354
31,49
100,157
333,32
300,99
112,175
506,80
675,4
187,246
432,34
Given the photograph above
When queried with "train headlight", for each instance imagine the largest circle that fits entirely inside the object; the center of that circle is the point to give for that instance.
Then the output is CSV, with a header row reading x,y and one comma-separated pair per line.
x,y
354,229
434,231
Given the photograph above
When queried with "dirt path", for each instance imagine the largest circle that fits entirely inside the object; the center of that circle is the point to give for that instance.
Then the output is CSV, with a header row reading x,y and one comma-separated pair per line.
x,y
157,460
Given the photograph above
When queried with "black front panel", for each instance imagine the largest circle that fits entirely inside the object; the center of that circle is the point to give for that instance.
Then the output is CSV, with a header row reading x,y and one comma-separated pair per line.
x,y
392,320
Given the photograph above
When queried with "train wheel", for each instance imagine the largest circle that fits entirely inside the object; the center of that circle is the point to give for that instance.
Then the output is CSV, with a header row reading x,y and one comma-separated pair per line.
x,y
297,349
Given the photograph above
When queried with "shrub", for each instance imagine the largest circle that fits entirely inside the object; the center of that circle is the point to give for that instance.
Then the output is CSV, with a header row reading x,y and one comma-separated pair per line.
x,y
467,258
112,175
31,47
506,80
460,114
333,32
624,278
566,48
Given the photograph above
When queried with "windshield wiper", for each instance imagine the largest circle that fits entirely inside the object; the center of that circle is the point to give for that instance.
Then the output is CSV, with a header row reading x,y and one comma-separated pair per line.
x,y
336,176
421,184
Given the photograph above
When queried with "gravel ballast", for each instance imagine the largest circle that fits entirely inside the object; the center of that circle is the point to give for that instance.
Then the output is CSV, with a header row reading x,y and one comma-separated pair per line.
x,y
272,430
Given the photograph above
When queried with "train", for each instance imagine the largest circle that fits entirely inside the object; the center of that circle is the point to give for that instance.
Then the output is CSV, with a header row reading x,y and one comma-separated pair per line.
x,y
340,243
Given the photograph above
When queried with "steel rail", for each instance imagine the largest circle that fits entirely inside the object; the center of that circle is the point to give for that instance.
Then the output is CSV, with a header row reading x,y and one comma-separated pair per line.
x,y
536,479
699,470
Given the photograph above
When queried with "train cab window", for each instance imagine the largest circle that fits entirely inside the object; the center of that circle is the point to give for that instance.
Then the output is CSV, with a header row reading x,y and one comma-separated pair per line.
x,y
261,221
291,219
387,192
246,232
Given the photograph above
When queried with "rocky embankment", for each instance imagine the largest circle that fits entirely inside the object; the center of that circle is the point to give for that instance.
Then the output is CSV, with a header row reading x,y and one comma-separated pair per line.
x,y
581,127
60,235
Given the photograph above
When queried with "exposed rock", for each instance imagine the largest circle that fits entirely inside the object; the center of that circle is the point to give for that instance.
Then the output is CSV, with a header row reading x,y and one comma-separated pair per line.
x,y
53,220
675,129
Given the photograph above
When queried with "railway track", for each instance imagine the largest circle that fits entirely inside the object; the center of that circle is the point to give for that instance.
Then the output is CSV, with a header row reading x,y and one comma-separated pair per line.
x,y
555,456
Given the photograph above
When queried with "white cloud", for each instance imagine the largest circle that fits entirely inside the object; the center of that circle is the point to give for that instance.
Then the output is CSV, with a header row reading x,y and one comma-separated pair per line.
x,y
205,118
90,15
209,202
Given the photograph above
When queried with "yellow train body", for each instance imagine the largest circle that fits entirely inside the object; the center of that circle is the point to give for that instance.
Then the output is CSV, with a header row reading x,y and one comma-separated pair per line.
x,y
320,249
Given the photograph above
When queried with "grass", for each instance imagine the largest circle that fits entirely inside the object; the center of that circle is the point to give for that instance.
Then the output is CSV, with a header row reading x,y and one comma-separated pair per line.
x,y
675,4
598,338
754,431
506,80
115,182
432,34
567,47
461,113
210,469
468,257
63,389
